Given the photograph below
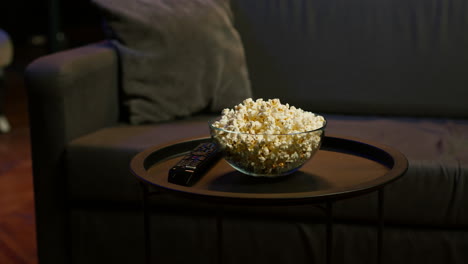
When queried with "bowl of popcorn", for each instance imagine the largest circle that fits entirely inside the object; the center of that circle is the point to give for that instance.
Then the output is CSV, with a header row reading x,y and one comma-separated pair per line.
x,y
267,138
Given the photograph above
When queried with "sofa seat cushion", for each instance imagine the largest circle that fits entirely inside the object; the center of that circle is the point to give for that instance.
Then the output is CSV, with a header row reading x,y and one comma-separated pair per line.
x,y
434,189
417,138
102,158
432,192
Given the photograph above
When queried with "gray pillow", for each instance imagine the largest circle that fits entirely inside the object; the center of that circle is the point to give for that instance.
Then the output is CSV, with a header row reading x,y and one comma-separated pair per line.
x,y
178,57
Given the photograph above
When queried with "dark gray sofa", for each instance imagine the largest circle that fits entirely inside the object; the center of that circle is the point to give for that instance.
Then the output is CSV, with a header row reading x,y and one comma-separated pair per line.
x,y
392,72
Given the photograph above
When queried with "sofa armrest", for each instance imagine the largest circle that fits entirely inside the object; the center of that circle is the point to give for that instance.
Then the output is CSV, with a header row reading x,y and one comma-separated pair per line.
x,y
75,90
70,93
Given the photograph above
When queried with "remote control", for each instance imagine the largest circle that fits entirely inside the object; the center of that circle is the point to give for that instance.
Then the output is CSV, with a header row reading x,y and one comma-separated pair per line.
x,y
193,165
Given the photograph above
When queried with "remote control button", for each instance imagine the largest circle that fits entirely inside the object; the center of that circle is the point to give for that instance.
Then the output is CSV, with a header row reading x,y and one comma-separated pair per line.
x,y
194,164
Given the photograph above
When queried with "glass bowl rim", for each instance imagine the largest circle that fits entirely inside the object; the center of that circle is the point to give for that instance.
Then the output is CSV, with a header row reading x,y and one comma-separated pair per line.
x,y
211,121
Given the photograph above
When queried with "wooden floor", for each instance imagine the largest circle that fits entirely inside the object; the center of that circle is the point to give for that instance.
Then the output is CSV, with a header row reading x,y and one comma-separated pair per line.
x,y
17,227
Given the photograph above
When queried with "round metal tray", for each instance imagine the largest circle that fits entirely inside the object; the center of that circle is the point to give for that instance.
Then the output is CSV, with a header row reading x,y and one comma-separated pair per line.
x,y
343,167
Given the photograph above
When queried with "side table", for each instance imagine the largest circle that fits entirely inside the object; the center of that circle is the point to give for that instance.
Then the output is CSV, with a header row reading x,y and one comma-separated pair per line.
x,y
342,168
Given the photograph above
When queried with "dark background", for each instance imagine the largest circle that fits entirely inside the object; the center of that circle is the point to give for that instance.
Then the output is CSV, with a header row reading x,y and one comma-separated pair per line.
x,y
53,24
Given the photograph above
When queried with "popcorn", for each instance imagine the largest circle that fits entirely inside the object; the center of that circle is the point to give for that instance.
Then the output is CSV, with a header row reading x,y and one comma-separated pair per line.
x,y
267,138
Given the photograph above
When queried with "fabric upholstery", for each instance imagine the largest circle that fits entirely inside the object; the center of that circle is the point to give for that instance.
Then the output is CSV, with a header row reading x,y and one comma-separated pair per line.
x,y
394,57
247,240
97,153
70,94
178,57
102,158
79,86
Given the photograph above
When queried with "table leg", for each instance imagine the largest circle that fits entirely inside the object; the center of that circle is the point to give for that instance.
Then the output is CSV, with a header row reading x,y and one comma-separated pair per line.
x,y
329,242
219,229
380,219
146,222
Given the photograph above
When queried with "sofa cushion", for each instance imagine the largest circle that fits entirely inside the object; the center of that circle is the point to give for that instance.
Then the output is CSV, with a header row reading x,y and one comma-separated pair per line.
x,y
435,186
432,192
178,57
418,138
393,57
103,158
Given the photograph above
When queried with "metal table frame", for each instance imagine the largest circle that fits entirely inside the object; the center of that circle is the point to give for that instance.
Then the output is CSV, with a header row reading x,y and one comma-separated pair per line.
x,y
395,159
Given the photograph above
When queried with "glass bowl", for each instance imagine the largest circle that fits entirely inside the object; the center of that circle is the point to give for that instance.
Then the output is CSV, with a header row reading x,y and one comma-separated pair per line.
x,y
267,155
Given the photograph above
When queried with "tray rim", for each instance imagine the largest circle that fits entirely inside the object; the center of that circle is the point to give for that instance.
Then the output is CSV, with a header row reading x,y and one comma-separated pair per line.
x,y
398,165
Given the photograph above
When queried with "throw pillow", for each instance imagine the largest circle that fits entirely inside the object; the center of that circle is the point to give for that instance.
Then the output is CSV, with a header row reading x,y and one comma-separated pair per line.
x,y
179,57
